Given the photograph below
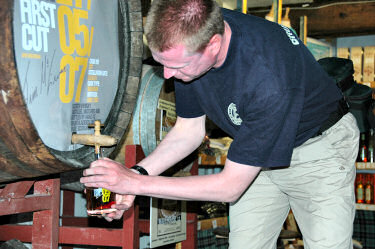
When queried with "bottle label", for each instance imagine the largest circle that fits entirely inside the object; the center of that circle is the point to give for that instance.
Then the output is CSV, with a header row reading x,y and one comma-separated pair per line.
x,y
363,155
370,157
360,196
368,195
99,199
106,195
97,192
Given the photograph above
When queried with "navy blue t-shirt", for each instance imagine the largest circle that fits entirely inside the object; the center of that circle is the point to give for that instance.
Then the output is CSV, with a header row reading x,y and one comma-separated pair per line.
x,y
270,95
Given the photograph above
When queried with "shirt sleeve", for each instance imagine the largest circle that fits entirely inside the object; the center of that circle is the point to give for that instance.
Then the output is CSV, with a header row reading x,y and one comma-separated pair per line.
x,y
187,105
268,130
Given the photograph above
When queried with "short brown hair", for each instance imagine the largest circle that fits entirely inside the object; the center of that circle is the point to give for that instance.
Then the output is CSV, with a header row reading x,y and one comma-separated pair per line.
x,y
188,22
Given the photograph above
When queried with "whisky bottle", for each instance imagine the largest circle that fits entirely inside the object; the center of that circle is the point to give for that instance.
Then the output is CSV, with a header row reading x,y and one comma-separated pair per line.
x,y
362,154
99,200
360,198
369,189
370,148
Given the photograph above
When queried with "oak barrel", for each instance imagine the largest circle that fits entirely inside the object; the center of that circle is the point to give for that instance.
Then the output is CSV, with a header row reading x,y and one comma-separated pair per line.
x,y
154,113
63,65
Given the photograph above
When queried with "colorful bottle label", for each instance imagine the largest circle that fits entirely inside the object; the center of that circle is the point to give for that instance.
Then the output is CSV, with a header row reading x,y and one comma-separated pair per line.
x,y
360,195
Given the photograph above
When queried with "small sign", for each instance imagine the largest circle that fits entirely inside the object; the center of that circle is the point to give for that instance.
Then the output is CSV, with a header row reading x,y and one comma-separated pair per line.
x,y
167,222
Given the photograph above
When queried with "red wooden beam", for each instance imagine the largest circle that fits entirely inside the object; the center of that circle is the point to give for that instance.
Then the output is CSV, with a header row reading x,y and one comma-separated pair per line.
x,y
73,221
16,189
130,235
68,203
191,232
45,230
191,221
133,154
68,211
66,235
20,232
13,198
73,235
144,226
90,236
24,205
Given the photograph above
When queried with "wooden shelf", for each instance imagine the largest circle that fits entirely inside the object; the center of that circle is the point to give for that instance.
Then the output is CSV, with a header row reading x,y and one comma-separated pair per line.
x,y
212,223
367,166
367,207
204,159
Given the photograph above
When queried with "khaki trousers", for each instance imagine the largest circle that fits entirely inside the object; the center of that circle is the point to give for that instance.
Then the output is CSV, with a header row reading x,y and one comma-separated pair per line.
x,y
318,186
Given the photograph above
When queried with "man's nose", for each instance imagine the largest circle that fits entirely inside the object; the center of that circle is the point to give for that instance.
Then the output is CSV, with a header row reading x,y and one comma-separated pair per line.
x,y
169,72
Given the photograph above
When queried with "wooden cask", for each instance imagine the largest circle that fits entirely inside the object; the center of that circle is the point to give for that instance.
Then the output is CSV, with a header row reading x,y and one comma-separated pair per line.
x,y
63,65
154,113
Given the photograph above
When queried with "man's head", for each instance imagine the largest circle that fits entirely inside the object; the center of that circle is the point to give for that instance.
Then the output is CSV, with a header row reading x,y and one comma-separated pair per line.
x,y
185,36
188,22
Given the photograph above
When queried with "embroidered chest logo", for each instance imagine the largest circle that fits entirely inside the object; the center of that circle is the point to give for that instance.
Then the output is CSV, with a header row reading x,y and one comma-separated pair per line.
x,y
233,115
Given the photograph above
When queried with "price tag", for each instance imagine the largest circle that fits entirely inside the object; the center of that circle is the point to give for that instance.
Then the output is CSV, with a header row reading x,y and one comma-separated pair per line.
x,y
369,166
214,224
361,165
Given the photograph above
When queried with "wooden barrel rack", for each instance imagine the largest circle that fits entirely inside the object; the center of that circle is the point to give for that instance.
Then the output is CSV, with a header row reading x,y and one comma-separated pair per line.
x,y
46,233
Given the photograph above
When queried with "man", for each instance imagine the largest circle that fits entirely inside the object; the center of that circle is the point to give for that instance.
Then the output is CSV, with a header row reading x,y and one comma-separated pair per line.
x,y
294,142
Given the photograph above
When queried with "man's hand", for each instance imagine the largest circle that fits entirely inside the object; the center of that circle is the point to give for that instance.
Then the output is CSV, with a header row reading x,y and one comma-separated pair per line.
x,y
111,175
123,203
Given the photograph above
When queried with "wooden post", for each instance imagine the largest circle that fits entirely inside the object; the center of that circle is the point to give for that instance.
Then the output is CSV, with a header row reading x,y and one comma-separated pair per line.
x,y
191,221
45,231
130,233
303,29
131,228
244,6
67,210
277,11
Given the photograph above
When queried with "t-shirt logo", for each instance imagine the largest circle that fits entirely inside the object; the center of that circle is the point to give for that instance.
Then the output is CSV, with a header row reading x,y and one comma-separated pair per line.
x,y
291,35
233,115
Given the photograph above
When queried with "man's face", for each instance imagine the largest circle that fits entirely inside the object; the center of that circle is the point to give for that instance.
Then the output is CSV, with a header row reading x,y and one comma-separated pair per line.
x,y
184,65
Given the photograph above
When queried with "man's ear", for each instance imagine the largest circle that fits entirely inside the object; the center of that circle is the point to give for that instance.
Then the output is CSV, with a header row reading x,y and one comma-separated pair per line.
x,y
215,44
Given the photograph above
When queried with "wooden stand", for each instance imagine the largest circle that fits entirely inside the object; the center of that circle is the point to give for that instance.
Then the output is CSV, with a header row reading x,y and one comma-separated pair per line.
x,y
45,232
45,203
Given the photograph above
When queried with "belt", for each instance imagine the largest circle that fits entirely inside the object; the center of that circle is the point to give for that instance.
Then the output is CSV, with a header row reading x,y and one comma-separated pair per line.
x,y
334,117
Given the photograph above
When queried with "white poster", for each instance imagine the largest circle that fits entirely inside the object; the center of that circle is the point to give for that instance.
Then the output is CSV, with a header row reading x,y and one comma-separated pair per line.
x,y
167,222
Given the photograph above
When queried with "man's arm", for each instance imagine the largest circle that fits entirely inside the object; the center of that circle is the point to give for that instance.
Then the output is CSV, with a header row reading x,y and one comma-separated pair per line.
x,y
185,136
226,186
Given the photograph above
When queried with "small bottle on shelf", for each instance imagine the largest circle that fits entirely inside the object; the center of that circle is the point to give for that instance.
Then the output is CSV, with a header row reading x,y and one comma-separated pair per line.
x,y
359,190
370,147
369,189
362,154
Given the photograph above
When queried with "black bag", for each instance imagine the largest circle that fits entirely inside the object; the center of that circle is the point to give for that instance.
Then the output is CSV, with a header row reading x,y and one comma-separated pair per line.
x,y
358,96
